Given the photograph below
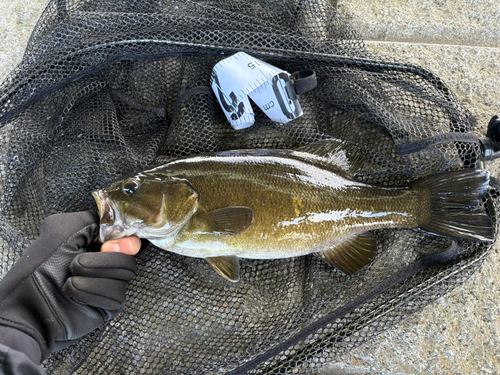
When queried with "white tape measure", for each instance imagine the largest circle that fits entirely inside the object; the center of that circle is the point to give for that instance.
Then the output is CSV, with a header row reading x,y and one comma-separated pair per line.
x,y
240,77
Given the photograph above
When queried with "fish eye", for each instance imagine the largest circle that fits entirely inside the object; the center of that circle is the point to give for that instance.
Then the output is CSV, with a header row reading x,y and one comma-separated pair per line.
x,y
130,187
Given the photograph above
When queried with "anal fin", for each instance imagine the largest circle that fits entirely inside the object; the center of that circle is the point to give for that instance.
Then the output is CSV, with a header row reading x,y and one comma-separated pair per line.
x,y
227,266
353,254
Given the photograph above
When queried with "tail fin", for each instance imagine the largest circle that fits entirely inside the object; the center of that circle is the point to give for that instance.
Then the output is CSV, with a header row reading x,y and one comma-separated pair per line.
x,y
454,201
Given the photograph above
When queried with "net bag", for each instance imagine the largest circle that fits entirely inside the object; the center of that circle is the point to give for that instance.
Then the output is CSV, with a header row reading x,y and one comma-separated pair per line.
x,y
109,87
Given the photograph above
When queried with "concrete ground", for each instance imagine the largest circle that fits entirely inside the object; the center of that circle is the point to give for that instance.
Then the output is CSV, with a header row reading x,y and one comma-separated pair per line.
x,y
459,40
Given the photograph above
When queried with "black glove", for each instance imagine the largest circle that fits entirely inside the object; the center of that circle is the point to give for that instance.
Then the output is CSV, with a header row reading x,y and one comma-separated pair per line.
x,y
57,291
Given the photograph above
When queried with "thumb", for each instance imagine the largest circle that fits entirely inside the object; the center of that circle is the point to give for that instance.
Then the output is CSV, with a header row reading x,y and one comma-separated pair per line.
x,y
126,245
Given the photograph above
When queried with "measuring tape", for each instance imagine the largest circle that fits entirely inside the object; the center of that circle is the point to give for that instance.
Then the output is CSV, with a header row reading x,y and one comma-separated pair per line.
x,y
241,76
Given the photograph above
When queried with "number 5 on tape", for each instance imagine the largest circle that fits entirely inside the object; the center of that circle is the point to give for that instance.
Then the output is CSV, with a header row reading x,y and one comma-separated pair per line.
x,y
242,76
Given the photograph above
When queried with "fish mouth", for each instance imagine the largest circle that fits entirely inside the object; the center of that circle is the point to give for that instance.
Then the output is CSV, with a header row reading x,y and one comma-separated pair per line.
x,y
110,225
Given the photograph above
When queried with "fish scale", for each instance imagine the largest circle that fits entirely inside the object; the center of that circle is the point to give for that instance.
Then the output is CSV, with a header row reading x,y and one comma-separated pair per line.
x,y
332,207
267,204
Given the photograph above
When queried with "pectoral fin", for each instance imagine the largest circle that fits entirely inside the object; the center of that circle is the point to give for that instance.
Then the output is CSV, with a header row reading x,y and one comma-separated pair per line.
x,y
228,220
227,266
352,255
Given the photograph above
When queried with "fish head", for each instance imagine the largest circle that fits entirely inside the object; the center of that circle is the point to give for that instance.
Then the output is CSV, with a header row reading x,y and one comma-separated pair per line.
x,y
144,206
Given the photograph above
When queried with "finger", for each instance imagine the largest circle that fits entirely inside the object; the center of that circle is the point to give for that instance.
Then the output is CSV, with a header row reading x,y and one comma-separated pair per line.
x,y
81,227
61,226
116,266
103,293
126,245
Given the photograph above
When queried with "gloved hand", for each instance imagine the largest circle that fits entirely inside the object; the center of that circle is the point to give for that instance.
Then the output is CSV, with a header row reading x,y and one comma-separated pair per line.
x,y
58,291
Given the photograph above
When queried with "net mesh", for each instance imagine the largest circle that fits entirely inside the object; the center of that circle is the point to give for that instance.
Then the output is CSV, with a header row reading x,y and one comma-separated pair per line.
x,y
111,87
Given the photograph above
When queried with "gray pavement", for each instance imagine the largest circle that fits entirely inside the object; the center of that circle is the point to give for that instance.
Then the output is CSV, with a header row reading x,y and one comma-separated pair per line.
x,y
460,41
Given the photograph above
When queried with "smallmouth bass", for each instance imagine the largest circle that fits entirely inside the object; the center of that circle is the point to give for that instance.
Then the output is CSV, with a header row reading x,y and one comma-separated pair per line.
x,y
268,204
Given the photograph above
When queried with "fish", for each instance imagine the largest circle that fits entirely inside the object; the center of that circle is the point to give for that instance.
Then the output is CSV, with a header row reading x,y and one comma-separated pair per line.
x,y
270,204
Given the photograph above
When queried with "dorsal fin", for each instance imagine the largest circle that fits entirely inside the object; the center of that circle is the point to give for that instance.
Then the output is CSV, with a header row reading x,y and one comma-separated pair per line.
x,y
341,154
